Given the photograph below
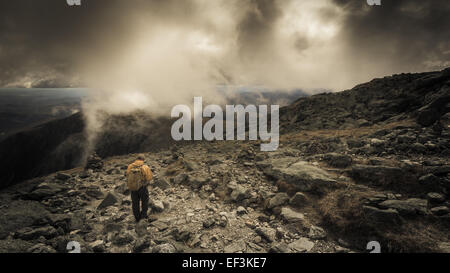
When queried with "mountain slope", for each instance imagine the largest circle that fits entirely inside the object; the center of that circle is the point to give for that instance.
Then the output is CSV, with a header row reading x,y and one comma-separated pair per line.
x,y
333,185
423,96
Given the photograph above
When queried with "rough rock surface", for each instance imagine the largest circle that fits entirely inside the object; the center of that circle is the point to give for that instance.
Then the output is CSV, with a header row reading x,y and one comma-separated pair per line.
x,y
371,163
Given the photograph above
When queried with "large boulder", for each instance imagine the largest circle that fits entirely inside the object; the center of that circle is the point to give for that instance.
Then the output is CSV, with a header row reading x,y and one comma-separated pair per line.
x,y
410,206
301,245
300,174
109,200
380,175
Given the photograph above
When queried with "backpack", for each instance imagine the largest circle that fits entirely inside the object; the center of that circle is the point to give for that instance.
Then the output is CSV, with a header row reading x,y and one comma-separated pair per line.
x,y
135,178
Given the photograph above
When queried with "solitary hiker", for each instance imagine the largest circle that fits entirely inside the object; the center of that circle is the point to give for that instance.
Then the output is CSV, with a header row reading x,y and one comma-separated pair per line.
x,y
139,176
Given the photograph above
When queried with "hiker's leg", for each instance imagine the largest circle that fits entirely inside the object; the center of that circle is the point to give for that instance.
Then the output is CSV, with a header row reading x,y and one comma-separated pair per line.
x,y
135,205
144,198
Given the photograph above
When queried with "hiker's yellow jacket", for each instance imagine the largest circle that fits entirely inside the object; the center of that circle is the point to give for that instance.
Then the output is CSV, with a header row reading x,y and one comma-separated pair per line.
x,y
145,170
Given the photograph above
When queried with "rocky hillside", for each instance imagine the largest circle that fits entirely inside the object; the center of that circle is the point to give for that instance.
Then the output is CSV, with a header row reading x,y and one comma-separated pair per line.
x,y
335,184
423,96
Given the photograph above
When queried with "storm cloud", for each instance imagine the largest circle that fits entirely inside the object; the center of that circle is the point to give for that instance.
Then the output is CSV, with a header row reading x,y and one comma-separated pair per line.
x,y
171,49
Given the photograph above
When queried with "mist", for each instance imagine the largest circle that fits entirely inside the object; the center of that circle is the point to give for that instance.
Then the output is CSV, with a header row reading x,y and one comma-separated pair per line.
x,y
152,55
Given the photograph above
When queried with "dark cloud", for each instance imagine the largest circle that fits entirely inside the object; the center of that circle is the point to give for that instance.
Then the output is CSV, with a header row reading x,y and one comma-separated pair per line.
x,y
48,42
256,28
48,38
405,35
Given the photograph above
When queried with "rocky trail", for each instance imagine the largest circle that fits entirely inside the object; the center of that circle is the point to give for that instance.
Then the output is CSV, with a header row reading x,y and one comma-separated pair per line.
x,y
362,165
315,194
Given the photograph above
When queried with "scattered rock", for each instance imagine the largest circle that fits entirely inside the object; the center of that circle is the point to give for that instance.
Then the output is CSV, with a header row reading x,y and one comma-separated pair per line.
x,y
122,239
317,233
240,193
279,199
435,198
241,210
299,200
290,215
267,233
98,246
29,233
41,248
164,248
338,160
157,206
410,206
45,191
300,174
208,223
109,200
162,183
377,216
237,247
439,211
279,248
301,245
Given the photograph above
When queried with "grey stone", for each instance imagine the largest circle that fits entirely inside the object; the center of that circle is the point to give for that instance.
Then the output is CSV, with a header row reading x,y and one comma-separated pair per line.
x,y
109,200
41,248
299,200
300,174
164,248
278,200
160,225
95,193
29,233
435,198
439,211
301,245
290,215
444,247
266,233
410,206
236,247
279,248
45,191
376,175
162,183
377,216
157,206
317,233
240,193
98,246
208,223
241,210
